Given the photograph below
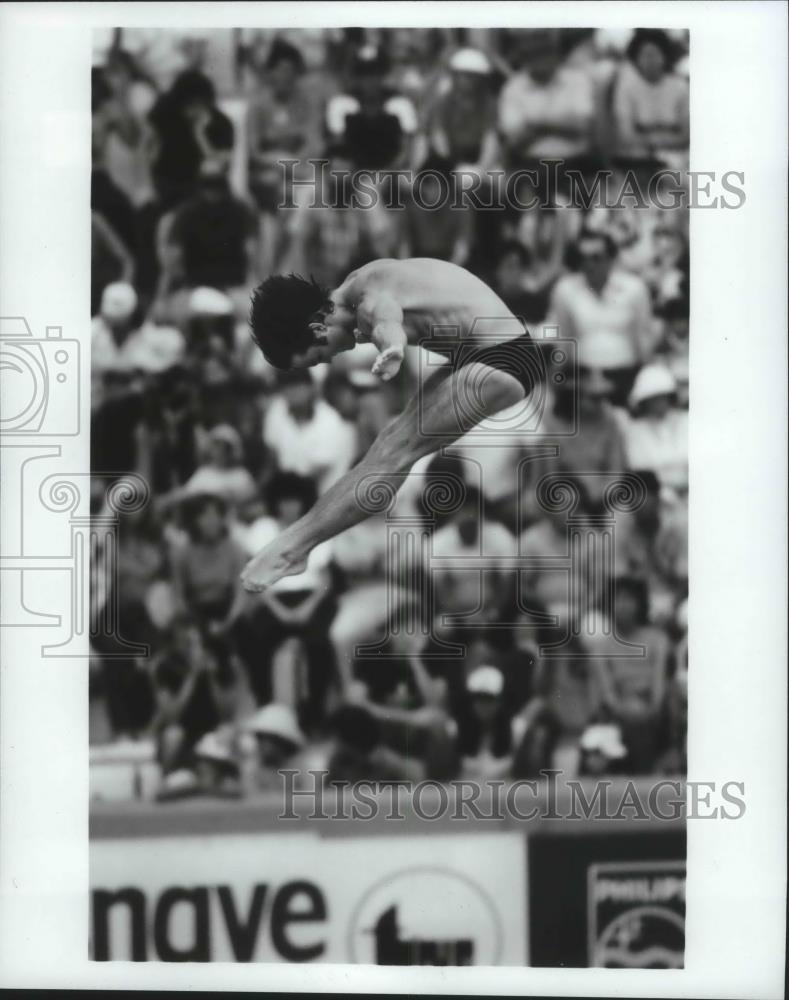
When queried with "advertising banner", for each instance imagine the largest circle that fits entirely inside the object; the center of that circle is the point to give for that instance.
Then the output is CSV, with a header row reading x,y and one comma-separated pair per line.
x,y
389,900
637,915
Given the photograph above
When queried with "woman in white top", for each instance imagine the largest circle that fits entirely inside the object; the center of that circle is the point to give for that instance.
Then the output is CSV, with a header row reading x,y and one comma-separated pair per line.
x,y
650,102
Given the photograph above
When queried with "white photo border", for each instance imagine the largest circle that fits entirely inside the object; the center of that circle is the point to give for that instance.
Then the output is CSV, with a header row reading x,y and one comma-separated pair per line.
x,y
736,870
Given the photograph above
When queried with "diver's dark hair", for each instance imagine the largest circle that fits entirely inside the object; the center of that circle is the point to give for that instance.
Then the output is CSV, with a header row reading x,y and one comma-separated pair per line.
x,y
282,308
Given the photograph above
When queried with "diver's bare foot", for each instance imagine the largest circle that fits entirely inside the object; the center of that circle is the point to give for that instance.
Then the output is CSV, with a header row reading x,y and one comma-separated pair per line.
x,y
270,565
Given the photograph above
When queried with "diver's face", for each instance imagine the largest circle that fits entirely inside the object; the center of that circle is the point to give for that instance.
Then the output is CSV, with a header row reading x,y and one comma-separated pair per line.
x,y
333,331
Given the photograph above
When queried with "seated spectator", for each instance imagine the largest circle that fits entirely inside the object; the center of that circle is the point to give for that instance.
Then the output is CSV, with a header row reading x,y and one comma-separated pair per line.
x,y
206,574
107,199
330,238
674,759
650,104
667,273
545,542
412,57
569,691
124,590
210,325
193,696
299,607
120,343
673,348
280,121
410,704
485,736
444,232
602,750
519,283
633,688
546,107
535,735
460,122
375,126
217,766
367,593
223,473
607,312
652,543
167,440
469,535
125,151
278,740
305,434
211,238
188,129
358,755
656,435
110,261
586,433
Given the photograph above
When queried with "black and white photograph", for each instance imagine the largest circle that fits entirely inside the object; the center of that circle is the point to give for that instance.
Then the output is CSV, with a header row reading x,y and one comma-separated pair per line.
x,y
379,513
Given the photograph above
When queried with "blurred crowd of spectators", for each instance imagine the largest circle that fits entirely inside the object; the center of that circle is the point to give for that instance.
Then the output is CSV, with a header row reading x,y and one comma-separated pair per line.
x,y
187,134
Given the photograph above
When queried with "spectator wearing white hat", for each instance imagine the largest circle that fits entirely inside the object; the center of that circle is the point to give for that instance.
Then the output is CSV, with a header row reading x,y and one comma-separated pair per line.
x,y
278,741
485,736
217,765
602,750
119,343
459,124
656,436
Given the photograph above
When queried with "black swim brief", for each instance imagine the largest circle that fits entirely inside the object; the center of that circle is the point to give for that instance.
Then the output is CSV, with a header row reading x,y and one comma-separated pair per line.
x,y
520,357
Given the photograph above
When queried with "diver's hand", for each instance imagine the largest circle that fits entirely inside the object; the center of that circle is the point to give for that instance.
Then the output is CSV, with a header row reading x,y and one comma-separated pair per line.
x,y
388,363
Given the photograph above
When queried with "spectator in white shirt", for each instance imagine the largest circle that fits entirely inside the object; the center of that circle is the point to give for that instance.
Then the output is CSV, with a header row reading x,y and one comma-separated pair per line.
x,y
607,312
546,108
305,434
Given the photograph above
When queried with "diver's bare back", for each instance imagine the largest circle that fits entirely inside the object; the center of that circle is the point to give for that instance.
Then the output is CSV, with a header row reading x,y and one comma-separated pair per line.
x,y
433,294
